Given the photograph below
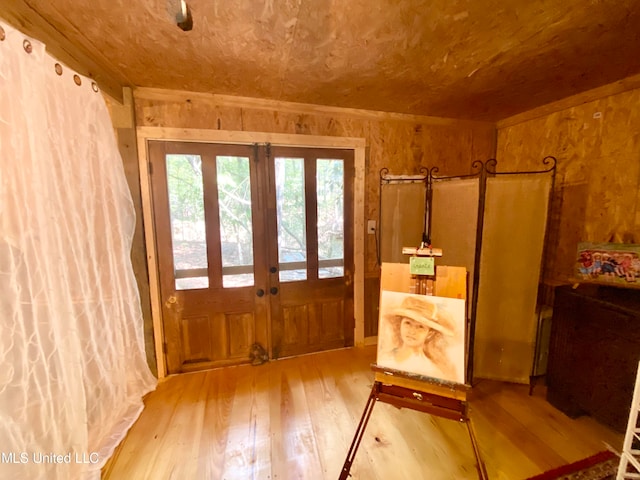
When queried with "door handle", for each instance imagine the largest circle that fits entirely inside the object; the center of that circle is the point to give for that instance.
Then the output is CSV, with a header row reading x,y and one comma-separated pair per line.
x,y
273,290
170,301
260,292
273,269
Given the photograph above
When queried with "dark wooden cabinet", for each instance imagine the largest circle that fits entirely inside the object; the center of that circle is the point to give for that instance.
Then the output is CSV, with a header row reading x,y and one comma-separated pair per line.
x,y
594,352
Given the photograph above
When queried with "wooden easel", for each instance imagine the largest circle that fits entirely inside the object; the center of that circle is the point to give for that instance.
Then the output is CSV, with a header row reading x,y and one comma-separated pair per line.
x,y
417,393
403,390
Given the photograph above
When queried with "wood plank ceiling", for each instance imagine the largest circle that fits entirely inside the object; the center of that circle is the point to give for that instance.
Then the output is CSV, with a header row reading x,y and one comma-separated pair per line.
x,y
470,59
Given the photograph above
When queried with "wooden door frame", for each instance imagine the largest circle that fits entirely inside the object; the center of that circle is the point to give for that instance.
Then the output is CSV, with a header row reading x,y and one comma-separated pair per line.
x,y
144,134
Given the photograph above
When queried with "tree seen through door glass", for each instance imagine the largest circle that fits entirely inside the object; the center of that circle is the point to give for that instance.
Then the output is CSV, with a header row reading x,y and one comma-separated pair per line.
x,y
188,233
236,231
291,218
330,194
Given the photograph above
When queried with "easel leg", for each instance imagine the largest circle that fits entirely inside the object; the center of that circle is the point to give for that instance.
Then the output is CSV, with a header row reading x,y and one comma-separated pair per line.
x,y
346,468
482,471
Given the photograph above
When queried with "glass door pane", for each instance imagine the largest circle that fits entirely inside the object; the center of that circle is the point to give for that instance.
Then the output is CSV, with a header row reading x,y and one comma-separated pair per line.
x,y
186,211
330,195
236,230
291,218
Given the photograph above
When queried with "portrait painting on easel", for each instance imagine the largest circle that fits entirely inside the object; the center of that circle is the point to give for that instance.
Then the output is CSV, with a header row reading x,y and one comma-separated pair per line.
x,y
422,335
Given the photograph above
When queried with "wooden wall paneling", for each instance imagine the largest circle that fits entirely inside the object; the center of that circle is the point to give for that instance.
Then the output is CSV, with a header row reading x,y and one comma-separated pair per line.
x,y
483,147
616,183
598,150
163,95
128,150
354,250
123,120
151,249
359,250
371,305
188,114
592,95
449,150
374,164
391,147
264,120
568,214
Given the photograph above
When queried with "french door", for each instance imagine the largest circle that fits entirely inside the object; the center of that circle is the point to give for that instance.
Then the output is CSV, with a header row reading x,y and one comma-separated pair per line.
x,y
255,245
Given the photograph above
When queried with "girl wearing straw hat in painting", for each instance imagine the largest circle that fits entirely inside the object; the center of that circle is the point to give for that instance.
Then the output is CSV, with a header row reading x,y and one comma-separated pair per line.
x,y
416,337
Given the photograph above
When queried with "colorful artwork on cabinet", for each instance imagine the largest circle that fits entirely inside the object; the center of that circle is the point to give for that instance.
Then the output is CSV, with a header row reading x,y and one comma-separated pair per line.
x,y
609,263
422,335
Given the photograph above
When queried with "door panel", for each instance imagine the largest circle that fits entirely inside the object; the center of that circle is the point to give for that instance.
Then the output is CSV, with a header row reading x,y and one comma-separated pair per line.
x,y
241,334
206,233
319,324
255,245
207,339
197,347
311,199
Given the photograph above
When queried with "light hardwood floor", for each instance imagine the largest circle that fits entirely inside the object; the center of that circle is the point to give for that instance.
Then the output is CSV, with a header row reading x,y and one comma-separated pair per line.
x,y
295,419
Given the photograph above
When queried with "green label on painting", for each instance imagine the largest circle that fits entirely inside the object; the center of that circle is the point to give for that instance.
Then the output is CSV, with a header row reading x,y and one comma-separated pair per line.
x,y
422,265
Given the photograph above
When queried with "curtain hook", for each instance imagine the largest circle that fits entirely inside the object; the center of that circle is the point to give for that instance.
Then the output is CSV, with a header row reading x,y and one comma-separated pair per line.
x,y
77,79
2,34
27,46
94,85
58,69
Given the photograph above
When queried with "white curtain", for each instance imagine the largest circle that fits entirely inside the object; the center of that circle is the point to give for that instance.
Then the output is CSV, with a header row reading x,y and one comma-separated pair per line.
x,y
73,369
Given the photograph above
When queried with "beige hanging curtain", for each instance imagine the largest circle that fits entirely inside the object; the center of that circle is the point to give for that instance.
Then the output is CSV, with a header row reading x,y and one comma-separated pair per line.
x,y
71,335
454,220
515,220
401,219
